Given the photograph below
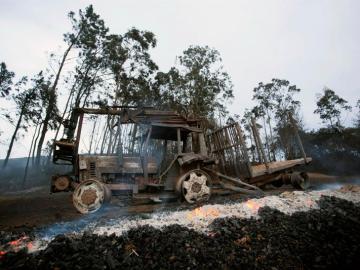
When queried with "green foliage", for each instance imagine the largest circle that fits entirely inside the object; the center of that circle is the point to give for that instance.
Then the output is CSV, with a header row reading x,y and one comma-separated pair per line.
x,y
28,108
329,107
42,86
25,99
276,100
6,78
88,37
111,69
128,60
86,28
199,87
31,100
125,58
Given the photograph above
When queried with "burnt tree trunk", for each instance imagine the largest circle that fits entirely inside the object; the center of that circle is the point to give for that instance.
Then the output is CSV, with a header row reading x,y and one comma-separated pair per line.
x,y
13,138
28,158
49,109
74,115
51,105
266,139
272,146
34,146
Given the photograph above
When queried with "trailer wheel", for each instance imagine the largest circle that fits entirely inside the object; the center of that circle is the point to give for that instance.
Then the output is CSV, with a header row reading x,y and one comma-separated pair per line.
x,y
195,186
89,196
278,183
108,194
300,180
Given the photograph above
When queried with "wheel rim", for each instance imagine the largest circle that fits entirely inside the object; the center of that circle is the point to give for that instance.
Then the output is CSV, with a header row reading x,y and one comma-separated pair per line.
x,y
62,183
88,197
196,186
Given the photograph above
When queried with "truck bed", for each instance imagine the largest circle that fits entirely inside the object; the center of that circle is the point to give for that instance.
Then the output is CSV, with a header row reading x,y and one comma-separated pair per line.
x,y
275,166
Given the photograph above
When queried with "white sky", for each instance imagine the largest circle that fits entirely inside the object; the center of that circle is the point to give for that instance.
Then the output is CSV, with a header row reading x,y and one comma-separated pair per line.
x,y
310,43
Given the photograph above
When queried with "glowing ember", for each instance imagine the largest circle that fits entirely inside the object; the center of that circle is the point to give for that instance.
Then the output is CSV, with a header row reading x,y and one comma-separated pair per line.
x,y
2,253
18,241
30,246
253,206
202,212
18,244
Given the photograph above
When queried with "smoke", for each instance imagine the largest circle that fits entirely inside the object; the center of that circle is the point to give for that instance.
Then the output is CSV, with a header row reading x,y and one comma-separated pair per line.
x,y
80,224
333,152
334,183
330,186
12,177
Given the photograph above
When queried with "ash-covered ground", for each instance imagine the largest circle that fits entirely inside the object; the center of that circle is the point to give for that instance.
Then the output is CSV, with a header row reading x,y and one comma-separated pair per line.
x,y
291,230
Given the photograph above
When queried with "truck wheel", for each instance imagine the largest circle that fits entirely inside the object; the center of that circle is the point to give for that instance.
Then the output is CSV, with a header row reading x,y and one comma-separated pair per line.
x,y
195,186
108,194
89,196
300,180
60,183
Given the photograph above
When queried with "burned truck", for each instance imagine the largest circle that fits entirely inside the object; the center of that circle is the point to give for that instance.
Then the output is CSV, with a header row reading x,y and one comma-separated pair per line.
x,y
158,155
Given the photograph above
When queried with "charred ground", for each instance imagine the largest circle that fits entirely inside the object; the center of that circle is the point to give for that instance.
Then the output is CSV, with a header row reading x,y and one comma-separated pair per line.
x,y
325,238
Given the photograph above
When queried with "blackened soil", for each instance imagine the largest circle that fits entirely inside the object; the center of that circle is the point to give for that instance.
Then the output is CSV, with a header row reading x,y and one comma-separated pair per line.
x,y
323,239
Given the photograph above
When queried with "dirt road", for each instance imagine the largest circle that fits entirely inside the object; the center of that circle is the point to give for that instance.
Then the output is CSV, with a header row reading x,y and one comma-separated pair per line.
x,y
37,207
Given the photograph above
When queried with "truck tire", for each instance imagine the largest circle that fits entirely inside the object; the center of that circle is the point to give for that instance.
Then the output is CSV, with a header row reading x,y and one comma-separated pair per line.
x,y
300,180
194,186
89,196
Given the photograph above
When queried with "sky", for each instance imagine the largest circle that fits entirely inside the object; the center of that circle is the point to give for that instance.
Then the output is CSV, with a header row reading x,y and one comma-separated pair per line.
x,y
311,43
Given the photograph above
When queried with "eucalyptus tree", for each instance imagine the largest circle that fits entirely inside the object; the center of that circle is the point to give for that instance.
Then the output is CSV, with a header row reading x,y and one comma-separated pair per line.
x,y
27,107
122,65
130,71
6,80
275,100
89,52
286,103
199,86
246,124
128,61
112,69
6,83
85,28
330,106
89,67
41,84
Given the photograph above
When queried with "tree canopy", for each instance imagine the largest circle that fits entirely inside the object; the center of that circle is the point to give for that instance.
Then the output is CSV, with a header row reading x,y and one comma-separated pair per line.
x,y
199,86
274,101
6,80
329,107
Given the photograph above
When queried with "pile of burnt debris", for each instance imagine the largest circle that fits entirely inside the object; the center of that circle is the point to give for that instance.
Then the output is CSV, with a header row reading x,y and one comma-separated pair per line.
x,y
328,237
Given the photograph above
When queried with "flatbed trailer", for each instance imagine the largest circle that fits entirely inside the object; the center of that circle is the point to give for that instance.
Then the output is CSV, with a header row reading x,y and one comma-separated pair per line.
x,y
276,166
